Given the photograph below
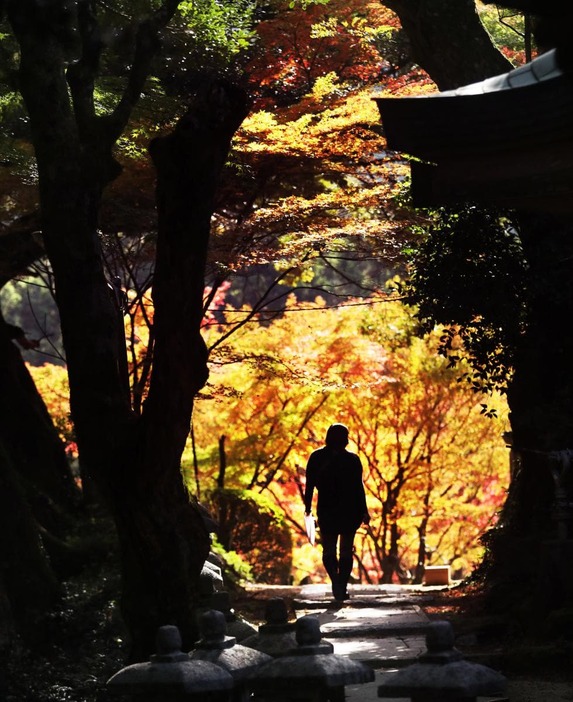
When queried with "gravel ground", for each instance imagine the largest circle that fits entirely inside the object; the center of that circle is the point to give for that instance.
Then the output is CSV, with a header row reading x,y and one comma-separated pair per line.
x,y
519,690
535,690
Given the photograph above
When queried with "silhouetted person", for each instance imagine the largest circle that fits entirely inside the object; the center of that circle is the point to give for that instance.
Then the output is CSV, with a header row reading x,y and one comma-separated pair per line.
x,y
337,475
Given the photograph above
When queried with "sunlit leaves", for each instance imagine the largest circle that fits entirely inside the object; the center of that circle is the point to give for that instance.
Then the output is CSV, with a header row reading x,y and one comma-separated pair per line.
x,y
305,41
223,27
430,457
336,177
428,453
325,85
432,460
305,4
507,29
52,384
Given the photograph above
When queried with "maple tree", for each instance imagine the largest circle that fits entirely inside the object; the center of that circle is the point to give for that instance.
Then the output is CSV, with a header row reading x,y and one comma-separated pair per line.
x,y
436,465
274,390
342,205
335,201
305,41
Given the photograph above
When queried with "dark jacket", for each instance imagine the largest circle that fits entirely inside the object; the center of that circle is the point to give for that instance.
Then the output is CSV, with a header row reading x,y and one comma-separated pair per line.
x,y
337,475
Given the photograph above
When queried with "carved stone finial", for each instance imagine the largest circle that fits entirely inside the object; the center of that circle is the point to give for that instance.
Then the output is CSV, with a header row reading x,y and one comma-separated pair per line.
x,y
213,626
168,645
168,639
440,636
440,642
308,631
276,611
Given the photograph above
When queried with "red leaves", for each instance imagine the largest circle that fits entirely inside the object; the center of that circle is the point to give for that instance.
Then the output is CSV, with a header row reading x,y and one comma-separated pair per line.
x,y
297,46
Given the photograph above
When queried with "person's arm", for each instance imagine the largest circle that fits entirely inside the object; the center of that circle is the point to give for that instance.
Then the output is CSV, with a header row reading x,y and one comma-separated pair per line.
x,y
366,515
310,485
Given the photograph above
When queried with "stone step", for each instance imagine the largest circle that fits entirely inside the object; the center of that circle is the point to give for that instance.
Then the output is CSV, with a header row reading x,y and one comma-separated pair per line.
x,y
389,652
368,622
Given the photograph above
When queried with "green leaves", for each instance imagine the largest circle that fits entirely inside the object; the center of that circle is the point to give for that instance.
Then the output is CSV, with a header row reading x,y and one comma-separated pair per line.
x,y
305,4
224,27
469,275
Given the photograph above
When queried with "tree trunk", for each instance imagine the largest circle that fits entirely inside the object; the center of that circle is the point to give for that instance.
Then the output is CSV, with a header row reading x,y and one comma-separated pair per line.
x,y
391,562
449,41
154,512
25,575
541,394
31,440
135,461
164,542
222,462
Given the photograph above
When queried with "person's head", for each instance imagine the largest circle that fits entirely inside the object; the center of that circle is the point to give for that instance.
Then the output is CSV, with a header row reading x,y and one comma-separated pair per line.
x,y
337,436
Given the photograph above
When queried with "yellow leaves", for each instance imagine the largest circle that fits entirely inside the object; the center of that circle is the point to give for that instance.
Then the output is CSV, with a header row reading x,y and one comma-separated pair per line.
x,y
415,83
325,85
259,123
325,28
362,364
282,132
267,134
331,183
52,383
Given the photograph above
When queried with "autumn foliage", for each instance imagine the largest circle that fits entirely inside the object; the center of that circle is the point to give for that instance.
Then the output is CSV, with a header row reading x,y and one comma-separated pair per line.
x,y
310,186
304,41
435,467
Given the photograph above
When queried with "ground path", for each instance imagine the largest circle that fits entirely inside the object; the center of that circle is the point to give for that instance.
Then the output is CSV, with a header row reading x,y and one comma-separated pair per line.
x,y
384,626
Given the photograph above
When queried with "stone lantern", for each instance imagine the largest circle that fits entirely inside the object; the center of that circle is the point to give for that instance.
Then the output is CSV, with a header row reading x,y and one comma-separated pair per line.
x,y
442,673
219,649
237,626
171,676
310,672
277,634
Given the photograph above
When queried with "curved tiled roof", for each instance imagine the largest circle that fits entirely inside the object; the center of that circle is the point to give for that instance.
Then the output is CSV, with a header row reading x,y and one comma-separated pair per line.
x,y
542,68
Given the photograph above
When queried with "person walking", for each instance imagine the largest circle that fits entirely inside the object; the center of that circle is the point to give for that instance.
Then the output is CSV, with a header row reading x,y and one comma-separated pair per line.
x,y
341,505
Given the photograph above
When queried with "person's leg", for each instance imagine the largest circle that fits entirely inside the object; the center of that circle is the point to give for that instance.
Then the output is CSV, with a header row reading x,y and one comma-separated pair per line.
x,y
345,562
329,557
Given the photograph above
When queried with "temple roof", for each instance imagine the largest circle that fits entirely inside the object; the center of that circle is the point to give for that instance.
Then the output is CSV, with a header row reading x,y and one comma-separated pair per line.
x,y
505,140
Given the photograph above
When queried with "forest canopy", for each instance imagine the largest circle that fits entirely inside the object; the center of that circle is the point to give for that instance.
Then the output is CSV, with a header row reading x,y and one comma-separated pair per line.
x,y
211,255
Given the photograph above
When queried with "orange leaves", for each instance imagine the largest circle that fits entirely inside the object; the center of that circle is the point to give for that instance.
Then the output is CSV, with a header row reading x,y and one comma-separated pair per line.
x,y
312,168
330,179
430,458
300,44
415,82
52,383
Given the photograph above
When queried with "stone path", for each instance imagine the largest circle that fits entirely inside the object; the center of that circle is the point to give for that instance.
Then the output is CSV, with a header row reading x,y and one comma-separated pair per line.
x,y
383,626
378,625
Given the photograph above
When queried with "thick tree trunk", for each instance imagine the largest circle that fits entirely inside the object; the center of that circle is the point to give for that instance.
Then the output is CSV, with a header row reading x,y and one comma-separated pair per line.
x,y
449,41
36,450
450,44
541,394
135,461
189,162
25,573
